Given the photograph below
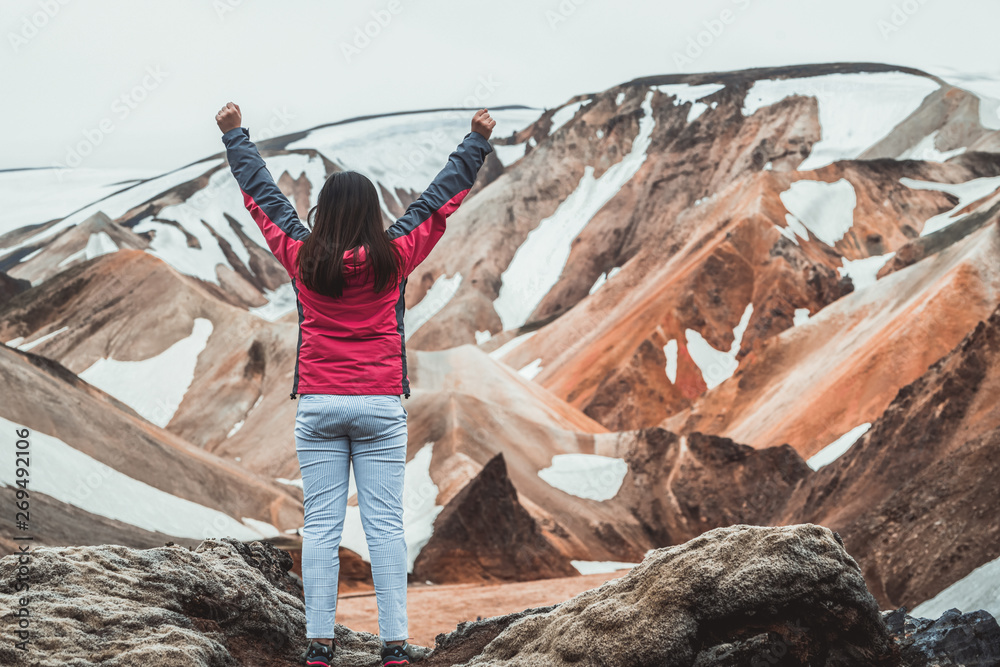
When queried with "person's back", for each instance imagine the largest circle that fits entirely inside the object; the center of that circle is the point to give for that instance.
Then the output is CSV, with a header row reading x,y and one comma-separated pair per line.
x,y
351,335
349,276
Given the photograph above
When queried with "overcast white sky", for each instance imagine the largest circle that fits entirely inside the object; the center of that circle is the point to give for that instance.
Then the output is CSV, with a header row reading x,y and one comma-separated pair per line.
x,y
284,62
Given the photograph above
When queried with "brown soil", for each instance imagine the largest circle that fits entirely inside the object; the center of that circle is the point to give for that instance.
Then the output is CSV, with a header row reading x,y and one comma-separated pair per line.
x,y
436,609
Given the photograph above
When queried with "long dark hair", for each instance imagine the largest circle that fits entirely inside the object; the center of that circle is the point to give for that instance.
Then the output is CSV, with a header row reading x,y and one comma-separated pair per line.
x,y
346,217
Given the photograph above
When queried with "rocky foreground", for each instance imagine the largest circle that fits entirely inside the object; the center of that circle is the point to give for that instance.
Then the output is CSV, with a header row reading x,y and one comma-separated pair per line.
x,y
741,595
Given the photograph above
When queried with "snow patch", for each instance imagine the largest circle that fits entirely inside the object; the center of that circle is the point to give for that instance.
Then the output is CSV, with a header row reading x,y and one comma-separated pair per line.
x,y
887,99
586,475
967,193
716,366
508,155
837,448
510,345
603,278
564,115
122,201
825,209
985,86
684,93
670,350
262,527
436,298
236,428
280,301
531,370
238,425
927,150
156,386
483,336
97,244
72,477
801,316
980,589
38,341
619,99
863,272
600,566
539,261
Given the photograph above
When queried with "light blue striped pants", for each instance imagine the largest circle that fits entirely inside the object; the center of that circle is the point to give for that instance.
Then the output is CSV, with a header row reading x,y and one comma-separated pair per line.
x,y
331,432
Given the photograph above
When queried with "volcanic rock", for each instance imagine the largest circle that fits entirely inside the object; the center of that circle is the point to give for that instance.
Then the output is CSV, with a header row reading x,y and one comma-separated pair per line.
x,y
485,532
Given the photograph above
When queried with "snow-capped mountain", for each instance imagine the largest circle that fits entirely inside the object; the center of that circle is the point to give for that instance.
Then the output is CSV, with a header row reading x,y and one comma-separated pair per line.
x,y
679,303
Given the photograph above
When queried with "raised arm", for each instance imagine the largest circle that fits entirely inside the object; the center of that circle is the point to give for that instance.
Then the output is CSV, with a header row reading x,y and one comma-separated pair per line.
x,y
423,224
270,209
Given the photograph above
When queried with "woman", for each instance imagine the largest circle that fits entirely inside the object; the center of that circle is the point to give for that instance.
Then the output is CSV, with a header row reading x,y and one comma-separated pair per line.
x,y
349,275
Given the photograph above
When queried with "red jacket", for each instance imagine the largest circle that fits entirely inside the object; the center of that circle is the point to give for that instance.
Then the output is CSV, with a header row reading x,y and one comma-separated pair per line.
x,y
353,344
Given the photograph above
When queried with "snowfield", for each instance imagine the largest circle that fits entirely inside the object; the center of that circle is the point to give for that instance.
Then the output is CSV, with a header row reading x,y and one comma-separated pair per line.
x,y
586,475
967,193
837,448
825,209
404,151
926,149
123,200
156,386
980,589
508,155
70,476
33,196
539,261
203,216
717,366
864,272
565,115
888,98
436,298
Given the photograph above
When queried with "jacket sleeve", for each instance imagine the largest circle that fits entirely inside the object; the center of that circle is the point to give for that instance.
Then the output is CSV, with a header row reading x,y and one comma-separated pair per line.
x,y
421,227
270,209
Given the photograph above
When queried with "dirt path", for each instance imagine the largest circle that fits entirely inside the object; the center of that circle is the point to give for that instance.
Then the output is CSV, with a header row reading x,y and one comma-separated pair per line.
x,y
435,609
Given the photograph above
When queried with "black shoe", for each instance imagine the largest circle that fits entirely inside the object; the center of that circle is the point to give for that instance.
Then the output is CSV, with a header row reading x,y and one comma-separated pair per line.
x,y
319,653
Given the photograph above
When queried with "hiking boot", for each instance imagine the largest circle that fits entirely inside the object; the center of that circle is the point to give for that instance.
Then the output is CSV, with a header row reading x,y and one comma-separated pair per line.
x,y
396,655
319,653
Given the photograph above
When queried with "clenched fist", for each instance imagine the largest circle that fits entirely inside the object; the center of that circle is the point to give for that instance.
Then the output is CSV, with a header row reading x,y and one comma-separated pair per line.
x,y
483,123
229,117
